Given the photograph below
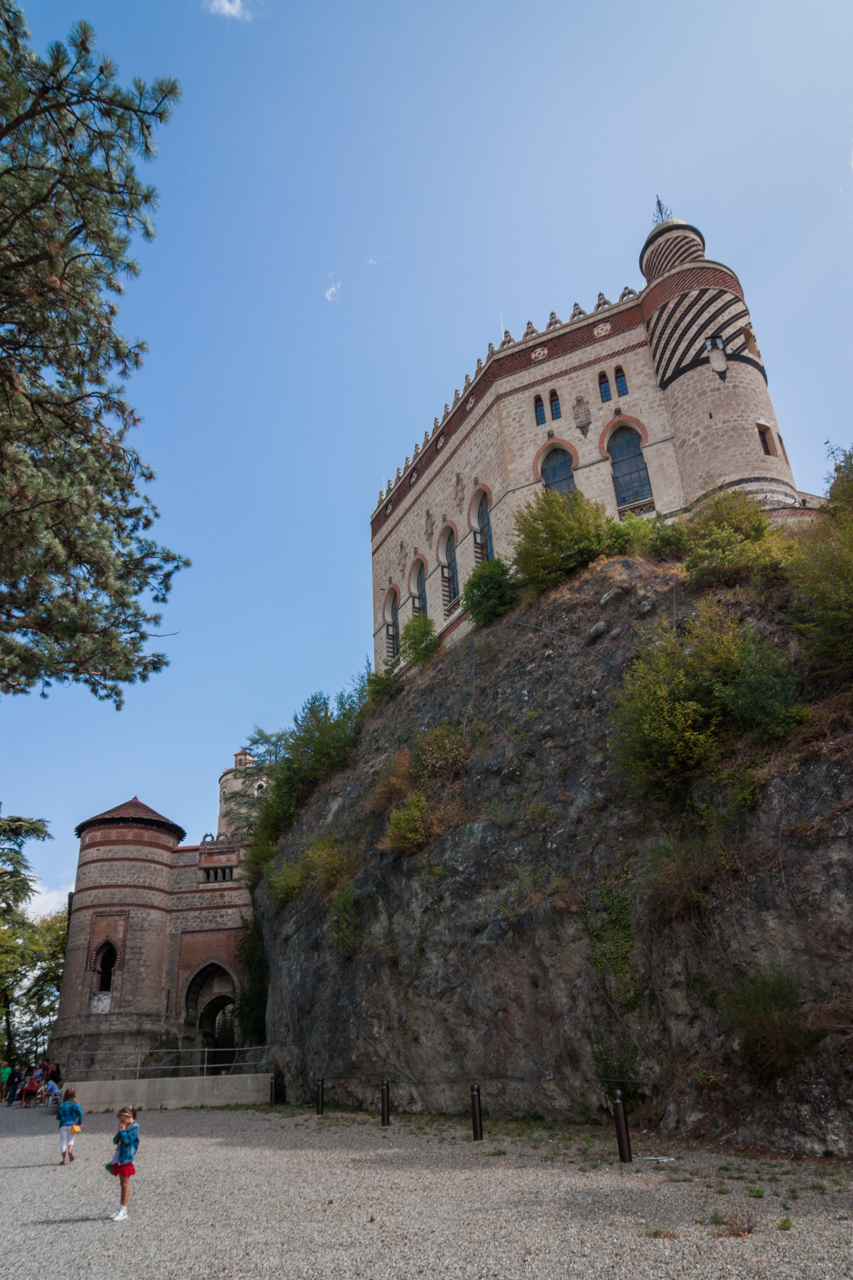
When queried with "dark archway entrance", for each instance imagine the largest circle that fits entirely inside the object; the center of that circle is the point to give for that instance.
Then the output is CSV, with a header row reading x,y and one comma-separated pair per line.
x,y
210,1009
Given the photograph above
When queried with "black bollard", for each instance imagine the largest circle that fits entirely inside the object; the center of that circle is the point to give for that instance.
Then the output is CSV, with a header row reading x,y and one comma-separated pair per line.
x,y
623,1141
320,1099
386,1104
476,1113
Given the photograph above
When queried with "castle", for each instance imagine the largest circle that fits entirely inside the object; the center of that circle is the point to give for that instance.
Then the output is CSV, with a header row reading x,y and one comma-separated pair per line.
x,y
152,960
646,405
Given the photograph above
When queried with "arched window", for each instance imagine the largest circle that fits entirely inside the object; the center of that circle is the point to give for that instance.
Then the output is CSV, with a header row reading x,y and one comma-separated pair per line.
x,y
630,477
419,601
621,382
450,576
539,409
392,629
555,406
106,964
604,388
484,548
557,471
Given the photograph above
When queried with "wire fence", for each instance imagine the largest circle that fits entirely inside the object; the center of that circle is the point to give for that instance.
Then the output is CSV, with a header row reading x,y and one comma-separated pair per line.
x,y
147,1064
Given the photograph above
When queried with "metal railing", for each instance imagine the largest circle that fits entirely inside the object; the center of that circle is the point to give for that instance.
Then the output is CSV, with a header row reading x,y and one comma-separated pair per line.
x,y
139,1064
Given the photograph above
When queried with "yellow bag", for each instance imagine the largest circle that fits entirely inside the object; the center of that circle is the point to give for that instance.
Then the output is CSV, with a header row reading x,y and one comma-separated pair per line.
x,y
75,1128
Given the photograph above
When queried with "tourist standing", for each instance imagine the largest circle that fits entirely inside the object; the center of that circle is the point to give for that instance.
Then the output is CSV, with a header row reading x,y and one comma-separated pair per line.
x,y
127,1142
12,1084
5,1072
70,1119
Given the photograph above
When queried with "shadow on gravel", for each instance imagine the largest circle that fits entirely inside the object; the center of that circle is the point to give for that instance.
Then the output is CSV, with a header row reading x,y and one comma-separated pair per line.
x,y
66,1222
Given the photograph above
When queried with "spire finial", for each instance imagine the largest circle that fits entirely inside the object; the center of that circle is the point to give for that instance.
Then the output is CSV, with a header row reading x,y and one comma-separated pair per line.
x,y
662,212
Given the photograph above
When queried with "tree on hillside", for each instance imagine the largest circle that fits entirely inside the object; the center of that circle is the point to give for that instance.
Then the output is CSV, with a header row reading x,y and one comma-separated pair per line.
x,y
78,571
16,889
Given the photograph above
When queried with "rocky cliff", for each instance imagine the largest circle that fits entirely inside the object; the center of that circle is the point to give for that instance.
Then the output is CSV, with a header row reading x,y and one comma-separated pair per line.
x,y
523,946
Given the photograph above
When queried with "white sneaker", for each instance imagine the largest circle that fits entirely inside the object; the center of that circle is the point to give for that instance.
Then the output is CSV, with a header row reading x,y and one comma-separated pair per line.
x,y
119,1215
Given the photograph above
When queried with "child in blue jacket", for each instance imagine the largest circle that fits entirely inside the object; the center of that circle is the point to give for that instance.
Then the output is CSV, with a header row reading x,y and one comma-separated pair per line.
x,y
68,1114
127,1141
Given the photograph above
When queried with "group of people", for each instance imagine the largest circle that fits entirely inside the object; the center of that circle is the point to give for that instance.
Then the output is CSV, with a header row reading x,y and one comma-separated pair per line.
x,y
126,1141
35,1085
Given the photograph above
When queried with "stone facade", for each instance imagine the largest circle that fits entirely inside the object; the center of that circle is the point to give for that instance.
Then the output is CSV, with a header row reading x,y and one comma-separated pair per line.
x,y
153,928
682,371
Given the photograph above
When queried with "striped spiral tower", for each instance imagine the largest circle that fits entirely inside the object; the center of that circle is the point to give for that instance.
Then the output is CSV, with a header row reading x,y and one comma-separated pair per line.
x,y
710,370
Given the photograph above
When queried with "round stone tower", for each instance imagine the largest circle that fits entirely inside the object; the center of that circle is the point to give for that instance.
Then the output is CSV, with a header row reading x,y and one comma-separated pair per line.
x,y
113,989
709,368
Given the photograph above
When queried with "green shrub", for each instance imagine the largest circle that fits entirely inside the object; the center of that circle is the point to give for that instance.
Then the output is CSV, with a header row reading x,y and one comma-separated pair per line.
x,y
763,1010
723,557
558,534
418,641
681,876
656,538
320,743
491,591
440,753
685,690
287,884
841,480
382,686
410,826
327,864
821,572
735,510
344,930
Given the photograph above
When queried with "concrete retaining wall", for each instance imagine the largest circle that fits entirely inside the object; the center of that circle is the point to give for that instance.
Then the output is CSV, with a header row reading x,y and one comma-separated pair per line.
x,y
167,1094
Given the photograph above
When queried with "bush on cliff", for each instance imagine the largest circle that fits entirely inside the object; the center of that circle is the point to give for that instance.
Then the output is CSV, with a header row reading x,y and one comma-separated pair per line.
x,y
764,1011
732,541
821,573
490,592
418,641
657,538
558,534
686,689
410,827
439,753
321,742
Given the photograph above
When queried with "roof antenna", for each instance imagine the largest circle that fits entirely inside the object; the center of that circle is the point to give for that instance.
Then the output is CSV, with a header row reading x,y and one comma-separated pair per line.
x,y
662,213
500,317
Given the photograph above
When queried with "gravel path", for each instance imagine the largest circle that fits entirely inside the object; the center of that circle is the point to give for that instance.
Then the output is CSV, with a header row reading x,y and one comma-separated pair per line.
x,y
245,1193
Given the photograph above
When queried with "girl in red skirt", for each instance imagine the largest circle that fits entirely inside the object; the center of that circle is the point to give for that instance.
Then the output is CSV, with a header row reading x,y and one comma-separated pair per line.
x,y
121,1165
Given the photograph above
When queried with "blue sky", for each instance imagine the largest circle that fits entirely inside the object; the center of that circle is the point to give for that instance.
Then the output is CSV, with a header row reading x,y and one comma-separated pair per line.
x,y
351,197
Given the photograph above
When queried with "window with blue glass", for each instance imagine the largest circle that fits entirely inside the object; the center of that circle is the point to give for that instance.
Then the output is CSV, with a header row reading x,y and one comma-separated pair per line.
x,y
630,477
621,383
540,411
483,545
557,471
420,594
555,406
604,388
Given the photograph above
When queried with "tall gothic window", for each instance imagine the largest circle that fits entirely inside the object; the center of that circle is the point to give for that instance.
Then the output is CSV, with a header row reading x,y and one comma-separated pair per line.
x,y
484,548
539,410
392,630
630,477
450,575
420,590
557,471
555,406
621,382
106,965
604,388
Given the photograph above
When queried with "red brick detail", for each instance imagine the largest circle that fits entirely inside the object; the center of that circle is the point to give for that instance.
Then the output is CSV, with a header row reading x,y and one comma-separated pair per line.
x,y
684,281
146,839
622,421
145,862
208,946
108,927
554,443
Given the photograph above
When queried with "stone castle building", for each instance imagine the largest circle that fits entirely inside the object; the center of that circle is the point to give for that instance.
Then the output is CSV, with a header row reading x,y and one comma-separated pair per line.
x,y
646,405
152,959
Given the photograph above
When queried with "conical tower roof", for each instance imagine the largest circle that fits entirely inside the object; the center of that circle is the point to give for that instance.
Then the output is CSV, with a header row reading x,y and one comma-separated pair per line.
x,y
133,813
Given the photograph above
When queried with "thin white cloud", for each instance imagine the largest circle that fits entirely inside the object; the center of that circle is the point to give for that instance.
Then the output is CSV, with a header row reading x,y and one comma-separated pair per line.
x,y
44,901
371,262
331,291
229,9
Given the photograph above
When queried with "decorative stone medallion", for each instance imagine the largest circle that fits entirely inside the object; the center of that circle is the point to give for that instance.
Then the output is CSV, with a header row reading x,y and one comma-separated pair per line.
x,y
472,400
539,354
389,507
440,442
413,477
601,330
582,415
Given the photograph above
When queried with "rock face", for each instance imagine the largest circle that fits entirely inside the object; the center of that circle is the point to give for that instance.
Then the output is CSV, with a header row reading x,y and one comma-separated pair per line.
x,y
520,948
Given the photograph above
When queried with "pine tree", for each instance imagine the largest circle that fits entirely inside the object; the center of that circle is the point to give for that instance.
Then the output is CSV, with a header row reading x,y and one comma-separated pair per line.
x,y
77,566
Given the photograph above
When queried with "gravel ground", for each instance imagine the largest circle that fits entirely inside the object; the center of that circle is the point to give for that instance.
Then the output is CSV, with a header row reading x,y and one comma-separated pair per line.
x,y
248,1193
